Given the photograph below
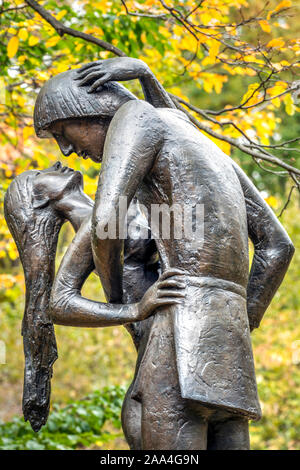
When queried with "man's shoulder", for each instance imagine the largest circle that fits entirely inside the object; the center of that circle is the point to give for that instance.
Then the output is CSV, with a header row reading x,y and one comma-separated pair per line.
x,y
137,107
138,112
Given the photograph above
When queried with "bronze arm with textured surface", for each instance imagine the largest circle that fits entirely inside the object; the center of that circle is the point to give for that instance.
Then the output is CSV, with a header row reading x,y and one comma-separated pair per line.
x,y
273,251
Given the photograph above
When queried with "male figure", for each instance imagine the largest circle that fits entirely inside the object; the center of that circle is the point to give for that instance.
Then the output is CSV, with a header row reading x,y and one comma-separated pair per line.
x,y
198,358
65,109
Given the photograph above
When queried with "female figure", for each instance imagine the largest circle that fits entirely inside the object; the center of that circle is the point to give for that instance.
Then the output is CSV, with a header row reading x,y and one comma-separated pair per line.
x,y
37,203
33,217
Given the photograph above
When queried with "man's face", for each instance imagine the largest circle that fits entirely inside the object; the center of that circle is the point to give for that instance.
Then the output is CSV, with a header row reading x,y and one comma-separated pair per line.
x,y
84,136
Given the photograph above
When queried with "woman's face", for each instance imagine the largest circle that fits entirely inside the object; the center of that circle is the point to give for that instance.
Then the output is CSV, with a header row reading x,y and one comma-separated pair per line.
x,y
84,136
54,183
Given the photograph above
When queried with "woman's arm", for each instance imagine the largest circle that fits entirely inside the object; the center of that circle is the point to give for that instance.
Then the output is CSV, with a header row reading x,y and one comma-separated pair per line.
x,y
67,306
123,69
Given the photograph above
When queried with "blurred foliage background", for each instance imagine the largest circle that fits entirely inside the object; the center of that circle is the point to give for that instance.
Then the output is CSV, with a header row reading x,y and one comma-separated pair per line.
x,y
211,76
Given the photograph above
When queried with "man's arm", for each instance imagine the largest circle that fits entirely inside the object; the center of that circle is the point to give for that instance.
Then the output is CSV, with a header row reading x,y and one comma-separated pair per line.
x,y
134,138
68,307
273,251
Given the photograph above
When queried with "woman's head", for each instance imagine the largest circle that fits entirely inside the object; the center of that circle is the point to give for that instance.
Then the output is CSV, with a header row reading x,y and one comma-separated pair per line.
x,y
30,202
78,120
54,183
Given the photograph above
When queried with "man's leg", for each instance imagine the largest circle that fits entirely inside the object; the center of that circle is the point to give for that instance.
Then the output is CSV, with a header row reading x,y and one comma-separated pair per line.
x,y
169,424
168,420
230,434
131,417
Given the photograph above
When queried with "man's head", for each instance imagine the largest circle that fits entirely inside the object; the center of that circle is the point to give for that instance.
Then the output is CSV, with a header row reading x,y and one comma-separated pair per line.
x,y
78,120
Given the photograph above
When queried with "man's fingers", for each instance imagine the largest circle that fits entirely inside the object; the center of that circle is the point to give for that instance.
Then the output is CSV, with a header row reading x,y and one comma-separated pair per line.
x,y
99,82
171,272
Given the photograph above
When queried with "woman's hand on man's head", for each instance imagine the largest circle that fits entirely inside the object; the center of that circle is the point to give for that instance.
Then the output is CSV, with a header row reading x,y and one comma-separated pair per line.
x,y
99,72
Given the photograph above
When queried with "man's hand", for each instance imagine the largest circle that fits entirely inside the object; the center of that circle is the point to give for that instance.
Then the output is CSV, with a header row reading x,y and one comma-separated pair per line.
x,y
167,290
118,69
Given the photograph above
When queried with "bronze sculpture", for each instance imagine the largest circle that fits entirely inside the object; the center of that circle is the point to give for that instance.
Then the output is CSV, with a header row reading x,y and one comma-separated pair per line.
x,y
196,354
37,203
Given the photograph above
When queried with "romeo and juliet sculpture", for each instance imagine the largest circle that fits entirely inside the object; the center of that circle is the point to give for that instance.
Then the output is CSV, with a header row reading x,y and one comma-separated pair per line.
x,y
188,300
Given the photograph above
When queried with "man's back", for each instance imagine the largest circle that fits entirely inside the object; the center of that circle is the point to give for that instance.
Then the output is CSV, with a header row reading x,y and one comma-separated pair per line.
x,y
191,170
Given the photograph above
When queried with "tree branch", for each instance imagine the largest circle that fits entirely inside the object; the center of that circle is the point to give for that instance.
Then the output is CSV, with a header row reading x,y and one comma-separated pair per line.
x,y
21,7
257,154
61,29
143,15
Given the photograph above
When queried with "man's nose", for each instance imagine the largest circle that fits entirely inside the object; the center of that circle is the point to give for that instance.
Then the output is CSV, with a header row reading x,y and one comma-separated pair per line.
x,y
65,147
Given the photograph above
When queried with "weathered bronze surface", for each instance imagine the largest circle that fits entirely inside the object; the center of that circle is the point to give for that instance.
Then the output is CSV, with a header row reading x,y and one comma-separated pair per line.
x,y
37,204
194,386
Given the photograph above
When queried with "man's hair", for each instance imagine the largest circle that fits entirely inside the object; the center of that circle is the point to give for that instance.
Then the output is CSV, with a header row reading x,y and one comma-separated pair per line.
x,y
61,98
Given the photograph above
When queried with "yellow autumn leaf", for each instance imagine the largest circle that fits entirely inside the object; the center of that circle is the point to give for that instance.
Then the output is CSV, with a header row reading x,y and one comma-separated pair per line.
x,y
277,42
164,31
284,63
143,37
78,47
60,15
283,4
214,49
251,92
22,59
289,105
186,43
27,132
276,102
205,18
272,201
265,26
42,75
278,88
23,34
33,40
52,41
12,46
208,85
21,101
177,30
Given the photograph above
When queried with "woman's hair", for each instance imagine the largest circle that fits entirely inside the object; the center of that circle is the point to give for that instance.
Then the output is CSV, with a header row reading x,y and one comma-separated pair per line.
x,y
35,231
18,208
62,98
27,224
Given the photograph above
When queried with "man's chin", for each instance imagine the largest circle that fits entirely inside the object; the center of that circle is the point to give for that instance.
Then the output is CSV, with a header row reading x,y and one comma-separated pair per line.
x,y
97,159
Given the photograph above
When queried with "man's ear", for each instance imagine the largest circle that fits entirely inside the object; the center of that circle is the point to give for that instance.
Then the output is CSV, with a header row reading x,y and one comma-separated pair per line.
x,y
39,203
